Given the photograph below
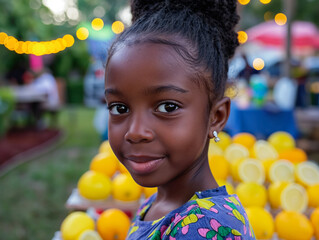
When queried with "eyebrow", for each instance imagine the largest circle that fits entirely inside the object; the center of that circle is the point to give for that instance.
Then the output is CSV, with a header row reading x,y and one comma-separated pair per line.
x,y
165,88
150,91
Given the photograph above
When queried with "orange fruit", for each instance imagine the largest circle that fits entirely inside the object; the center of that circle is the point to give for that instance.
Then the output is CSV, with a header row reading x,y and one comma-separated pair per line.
x,y
75,224
105,147
124,188
94,185
281,141
267,164
313,195
105,163
219,167
307,173
314,218
261,221
294,155
292,225
246,139
113,224
123,169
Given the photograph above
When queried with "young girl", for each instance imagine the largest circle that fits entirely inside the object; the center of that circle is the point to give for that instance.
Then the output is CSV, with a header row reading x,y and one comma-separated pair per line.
x,y
165,83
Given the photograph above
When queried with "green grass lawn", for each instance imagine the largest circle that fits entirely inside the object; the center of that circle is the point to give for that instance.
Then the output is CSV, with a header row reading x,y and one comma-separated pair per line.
x,y
33,195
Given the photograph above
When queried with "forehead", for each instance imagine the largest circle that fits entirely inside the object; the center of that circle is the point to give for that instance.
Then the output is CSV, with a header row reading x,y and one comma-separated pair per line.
x,y
149,61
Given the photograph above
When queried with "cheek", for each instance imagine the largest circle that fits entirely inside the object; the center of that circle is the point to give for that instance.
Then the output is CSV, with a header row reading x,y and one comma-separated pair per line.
x,y
116,138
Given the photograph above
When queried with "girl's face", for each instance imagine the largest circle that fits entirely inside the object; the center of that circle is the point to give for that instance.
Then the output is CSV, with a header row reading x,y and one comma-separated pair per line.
x,y
159,119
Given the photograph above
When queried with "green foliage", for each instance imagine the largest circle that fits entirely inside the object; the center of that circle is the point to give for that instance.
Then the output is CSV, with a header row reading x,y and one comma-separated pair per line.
x,y
7,103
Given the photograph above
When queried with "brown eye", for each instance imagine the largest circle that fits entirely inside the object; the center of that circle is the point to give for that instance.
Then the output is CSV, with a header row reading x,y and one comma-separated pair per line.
x,y
167,107
117,109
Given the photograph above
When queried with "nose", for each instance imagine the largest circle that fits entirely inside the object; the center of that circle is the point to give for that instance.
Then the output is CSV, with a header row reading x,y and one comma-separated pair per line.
x,y
139,129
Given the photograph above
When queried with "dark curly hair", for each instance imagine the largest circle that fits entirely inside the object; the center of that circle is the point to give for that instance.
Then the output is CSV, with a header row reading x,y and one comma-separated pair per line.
x,y
204,28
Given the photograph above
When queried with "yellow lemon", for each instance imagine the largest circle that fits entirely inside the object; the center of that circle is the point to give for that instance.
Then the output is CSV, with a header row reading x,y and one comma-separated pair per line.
x,y
234,166
219,167
149,191
236,151
229,187
274,191
246,139
313,195
75,224
281,141
263,150
293,226
94,185
307,173
105,147
261,221
105,162
225,140
122,169
282,171
214,150
124,188
252,194
267,164
90,235
314,218
251,170
294,198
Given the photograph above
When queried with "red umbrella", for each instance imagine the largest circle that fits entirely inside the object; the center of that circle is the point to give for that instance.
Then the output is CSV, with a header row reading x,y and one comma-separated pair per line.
x,y
304,34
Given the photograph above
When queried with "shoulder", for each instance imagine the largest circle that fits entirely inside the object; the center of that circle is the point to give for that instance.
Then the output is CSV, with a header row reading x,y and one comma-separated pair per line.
x,y
221,217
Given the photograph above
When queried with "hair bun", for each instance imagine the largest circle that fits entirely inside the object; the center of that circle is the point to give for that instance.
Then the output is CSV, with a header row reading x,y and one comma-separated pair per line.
x,y
221,12
142,7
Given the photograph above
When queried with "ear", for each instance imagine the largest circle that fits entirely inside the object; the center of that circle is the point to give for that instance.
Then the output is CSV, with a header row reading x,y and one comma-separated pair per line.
x,y
219,115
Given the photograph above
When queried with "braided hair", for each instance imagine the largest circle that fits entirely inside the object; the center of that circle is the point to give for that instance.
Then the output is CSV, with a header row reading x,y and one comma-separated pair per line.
x,y
205,29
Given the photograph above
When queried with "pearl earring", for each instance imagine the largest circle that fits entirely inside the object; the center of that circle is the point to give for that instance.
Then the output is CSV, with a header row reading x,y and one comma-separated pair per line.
x,y
216,138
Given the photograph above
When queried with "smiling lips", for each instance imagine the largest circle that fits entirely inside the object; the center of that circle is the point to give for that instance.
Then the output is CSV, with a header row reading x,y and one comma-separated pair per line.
x,y
144,164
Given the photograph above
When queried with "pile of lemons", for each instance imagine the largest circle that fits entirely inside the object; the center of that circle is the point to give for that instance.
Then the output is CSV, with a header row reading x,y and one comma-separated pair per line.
x,y
275,181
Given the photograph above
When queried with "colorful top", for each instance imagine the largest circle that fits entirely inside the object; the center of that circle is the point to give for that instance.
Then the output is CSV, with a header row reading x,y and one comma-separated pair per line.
x,y
211,214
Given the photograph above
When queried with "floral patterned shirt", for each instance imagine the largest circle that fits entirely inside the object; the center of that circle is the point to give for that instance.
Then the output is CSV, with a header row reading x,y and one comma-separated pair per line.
x,y
210,214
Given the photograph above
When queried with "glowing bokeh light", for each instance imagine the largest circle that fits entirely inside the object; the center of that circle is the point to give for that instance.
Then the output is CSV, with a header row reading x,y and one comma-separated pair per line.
x,y
69,39
82,33
265,1
97,24
117,27
243,2
268,16
281,19
242,37
3,37
11,43
258,64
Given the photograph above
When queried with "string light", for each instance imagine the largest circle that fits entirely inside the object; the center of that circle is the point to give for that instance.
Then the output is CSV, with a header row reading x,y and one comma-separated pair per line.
x,y
117,27
97,24
258,64
36,48
281,19
82,33
243,2
265,1
242,37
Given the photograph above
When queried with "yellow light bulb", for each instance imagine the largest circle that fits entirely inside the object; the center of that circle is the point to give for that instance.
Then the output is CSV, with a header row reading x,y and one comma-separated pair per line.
x,y
82,33
258,64
11,43
281,19
243,2
265,1
19,50
69,39
242,37
3,37
117,27
97,24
